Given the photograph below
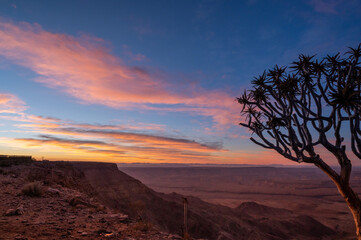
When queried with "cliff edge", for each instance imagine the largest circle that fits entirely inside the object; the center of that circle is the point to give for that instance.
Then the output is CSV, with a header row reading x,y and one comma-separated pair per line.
x,y
87,200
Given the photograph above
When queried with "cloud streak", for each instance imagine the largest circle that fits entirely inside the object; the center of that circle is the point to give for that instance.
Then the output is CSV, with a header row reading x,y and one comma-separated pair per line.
x,y
118,134
116,151
322,6
84,69
10,103
123,143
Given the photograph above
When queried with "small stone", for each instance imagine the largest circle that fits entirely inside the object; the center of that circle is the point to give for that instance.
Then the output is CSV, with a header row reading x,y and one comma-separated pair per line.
x,y
20,210
103,231
10,212
14,212
108,235
20,238
53,191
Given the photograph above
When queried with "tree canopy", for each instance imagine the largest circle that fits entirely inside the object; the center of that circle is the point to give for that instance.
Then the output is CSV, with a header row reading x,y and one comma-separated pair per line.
x,y
312,106
292,112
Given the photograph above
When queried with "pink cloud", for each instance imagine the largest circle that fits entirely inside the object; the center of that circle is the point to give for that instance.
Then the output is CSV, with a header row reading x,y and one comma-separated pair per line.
x,y
116,134
10,103
84,69
118,140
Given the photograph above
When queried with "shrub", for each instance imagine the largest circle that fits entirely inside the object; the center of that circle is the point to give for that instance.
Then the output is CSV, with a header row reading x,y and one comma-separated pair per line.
x,y
33,189
143,226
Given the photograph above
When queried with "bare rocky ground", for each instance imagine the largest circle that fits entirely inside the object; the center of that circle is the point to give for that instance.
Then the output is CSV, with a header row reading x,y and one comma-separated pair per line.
x,y
61,211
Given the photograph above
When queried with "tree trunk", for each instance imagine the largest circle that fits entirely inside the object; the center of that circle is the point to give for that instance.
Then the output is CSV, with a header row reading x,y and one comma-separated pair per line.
x,y
342,183
353,203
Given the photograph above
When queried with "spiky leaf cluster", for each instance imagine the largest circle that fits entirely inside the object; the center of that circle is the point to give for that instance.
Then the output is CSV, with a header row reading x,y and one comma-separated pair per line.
x,y
293,110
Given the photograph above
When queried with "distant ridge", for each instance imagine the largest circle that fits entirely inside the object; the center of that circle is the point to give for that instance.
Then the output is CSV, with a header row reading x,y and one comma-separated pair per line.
x,y
180,165
8,160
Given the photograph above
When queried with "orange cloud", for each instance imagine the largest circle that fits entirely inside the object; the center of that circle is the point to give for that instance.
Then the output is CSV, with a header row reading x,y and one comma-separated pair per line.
x,y
117,142
145,139
10,103
121,134
84,69
117,152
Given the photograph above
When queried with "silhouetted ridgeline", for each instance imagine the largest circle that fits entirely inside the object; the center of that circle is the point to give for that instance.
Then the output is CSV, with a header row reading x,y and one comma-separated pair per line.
x,y
8,160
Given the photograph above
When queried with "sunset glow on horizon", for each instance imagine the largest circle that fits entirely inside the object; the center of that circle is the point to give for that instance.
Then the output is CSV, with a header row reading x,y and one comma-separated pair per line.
x,y
150,81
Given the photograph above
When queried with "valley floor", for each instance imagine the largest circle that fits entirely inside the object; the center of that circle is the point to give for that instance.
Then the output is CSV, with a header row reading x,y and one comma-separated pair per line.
x,y
302,190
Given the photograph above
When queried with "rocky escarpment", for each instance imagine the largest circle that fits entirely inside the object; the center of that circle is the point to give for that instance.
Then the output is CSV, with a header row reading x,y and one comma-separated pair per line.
x,y
104,191
250,221
52,201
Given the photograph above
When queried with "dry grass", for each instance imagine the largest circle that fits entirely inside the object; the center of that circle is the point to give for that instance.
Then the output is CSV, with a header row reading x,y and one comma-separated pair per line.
x,y
34,189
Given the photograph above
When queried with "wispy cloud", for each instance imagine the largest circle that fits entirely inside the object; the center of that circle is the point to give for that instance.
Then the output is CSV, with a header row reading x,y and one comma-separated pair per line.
x,y
120,134
133,56
10,103
119,142
117,151
326,6
84,69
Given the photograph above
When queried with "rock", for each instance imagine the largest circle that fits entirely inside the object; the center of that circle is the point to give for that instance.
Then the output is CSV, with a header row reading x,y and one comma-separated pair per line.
x,y
78,201
103,231
20,238
10,212
53,191
122,218
109,235
174,236
15,212
20,210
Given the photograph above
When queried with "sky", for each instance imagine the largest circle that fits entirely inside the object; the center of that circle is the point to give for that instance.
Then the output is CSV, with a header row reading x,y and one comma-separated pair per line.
x,y
150,81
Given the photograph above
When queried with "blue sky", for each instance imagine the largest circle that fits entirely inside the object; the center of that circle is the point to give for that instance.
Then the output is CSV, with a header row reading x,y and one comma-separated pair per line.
x,y
150,81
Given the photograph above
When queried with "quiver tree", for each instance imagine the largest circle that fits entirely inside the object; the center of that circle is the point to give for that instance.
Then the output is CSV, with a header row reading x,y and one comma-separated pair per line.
x,y
314,106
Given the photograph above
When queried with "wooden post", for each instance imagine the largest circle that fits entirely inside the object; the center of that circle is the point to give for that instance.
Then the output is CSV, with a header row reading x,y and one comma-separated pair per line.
x,y
185,202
